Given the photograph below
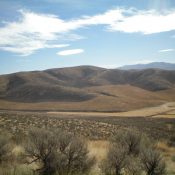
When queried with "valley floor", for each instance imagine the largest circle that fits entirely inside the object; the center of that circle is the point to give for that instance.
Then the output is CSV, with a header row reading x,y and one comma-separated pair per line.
x,y
166,110
98,127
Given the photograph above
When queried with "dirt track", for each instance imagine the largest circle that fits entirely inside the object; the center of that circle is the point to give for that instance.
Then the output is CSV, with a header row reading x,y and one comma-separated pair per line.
x,y
166,111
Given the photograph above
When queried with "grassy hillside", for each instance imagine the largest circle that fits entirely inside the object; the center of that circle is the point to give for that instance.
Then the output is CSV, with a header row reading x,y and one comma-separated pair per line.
x,y
86,88
107,98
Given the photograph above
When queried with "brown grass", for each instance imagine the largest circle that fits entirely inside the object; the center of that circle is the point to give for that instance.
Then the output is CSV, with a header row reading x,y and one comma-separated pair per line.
x,y
98,148
97,129
168,154
109,98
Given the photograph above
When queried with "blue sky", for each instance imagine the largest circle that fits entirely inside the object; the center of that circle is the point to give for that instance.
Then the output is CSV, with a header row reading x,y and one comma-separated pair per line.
x,y
43,34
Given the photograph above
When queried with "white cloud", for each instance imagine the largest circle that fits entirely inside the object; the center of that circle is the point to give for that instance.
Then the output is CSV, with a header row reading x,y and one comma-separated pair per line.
x,y
34,31
56,45
70,52
146,22
166,50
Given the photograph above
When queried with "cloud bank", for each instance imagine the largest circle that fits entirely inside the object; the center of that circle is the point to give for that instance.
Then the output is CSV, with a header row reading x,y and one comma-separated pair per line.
x,y
37,31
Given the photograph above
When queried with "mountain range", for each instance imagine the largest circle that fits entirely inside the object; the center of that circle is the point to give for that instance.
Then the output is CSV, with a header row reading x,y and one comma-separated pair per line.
x,y
86,88
154,65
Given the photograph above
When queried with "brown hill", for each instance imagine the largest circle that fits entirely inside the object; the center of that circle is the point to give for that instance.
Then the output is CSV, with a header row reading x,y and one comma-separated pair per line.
x,y
108,98
87,88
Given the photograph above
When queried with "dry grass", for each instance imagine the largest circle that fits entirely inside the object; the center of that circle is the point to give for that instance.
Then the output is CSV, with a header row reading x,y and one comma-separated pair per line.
x,y
168,154
19,123
97,129
98,148
114,98
166,110
17,150
91,125
169,151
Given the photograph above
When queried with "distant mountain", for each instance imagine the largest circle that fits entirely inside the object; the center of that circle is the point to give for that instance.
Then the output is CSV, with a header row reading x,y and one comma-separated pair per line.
x,y
69,84
154,65
86,88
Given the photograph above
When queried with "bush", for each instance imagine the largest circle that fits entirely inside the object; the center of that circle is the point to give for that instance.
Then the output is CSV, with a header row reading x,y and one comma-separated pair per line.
x,y
152,162
58,152
173,158
133,154
20,170
130,140
5,148
115,161
172,140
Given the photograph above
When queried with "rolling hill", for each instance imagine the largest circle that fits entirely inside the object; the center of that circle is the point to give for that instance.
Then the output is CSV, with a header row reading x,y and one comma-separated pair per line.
x,y
86,88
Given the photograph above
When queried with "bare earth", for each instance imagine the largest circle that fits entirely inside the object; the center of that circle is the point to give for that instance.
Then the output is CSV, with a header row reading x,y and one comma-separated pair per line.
x,y
166,110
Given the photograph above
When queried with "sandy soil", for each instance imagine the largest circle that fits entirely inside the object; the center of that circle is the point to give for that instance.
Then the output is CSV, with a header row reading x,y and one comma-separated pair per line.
x,y
166,110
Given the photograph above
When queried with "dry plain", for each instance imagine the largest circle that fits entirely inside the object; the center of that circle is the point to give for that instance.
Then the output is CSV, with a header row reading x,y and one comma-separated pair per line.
x,y
98,127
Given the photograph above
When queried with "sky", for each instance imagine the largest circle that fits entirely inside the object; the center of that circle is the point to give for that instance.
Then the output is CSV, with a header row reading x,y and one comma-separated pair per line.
x,y
44,34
